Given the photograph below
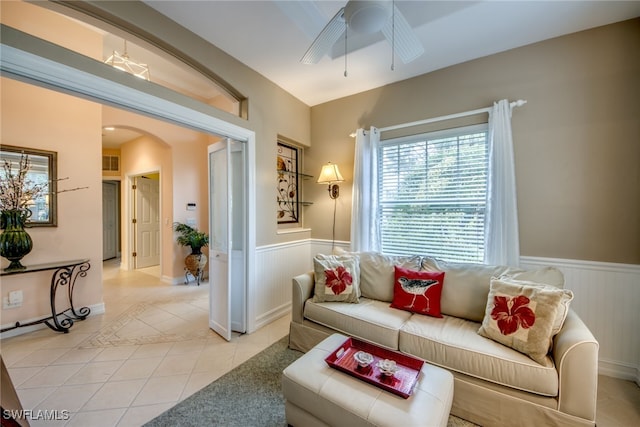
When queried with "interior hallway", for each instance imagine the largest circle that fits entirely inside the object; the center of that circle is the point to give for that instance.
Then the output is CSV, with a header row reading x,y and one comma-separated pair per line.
x,y
153,347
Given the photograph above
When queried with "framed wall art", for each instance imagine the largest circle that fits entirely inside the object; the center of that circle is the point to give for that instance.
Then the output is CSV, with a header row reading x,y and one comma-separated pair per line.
x,y
42,172
288,184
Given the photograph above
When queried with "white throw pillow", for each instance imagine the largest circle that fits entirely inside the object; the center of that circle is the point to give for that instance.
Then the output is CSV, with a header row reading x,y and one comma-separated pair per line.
x,y
522,316
337,278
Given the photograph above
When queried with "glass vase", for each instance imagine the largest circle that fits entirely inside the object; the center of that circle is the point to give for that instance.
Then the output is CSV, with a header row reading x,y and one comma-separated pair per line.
x,y
15,243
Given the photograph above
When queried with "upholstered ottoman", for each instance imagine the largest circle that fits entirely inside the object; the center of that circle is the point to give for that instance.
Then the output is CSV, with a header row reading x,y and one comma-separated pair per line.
x,y
318,395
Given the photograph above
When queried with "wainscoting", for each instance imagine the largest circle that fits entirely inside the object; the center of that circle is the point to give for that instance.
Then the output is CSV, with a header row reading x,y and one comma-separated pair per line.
x,y
275,266
607,297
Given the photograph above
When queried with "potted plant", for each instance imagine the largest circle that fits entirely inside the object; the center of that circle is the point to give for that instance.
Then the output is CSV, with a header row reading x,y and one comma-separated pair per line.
x,y
196,240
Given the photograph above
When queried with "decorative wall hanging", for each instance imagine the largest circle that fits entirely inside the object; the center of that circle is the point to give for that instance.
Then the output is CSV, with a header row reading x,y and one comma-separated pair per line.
x,y
287,184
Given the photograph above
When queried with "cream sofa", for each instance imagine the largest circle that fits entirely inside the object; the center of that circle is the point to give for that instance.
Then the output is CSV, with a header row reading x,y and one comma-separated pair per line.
x,y
494,385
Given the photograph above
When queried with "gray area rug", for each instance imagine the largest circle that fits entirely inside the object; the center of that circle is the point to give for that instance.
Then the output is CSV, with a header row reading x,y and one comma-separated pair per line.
x,y
248,396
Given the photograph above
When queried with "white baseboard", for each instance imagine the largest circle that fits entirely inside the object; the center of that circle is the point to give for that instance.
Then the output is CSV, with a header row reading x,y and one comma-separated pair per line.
x,y
272,315
172,280
95,310
615,369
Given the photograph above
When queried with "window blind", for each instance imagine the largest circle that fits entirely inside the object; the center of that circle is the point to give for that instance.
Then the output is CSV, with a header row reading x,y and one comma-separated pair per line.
x,y
432,194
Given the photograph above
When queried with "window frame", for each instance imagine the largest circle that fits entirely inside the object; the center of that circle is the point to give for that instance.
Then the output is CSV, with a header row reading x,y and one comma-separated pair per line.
x,y
475,208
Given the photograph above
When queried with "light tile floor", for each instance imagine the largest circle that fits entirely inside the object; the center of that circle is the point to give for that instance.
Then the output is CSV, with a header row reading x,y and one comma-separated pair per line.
x,y
153,348
150,350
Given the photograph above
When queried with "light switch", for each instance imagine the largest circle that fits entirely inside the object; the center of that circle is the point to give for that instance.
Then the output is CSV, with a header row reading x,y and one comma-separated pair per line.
x,y
15,297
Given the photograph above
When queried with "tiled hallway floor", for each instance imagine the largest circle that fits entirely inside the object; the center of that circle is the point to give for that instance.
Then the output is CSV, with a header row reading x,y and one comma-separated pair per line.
x,y
153,348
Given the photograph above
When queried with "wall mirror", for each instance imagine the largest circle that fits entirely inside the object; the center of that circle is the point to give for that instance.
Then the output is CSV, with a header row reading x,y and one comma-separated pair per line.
x,y
42,170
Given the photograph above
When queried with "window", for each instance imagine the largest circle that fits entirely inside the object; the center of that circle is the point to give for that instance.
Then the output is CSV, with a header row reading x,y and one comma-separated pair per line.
x,y
432,194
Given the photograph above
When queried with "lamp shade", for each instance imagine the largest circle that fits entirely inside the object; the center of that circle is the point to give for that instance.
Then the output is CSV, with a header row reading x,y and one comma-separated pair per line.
x,y
329,174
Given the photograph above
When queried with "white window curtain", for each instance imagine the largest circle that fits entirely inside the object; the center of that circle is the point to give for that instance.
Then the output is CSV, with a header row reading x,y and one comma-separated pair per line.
x,y
502,245
364,205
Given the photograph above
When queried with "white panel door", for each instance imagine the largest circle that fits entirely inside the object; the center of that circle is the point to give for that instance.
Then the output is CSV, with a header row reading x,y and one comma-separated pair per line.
x,y
227,265
147,222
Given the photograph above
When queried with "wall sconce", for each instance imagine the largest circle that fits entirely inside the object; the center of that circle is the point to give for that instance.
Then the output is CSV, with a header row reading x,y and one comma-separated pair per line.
x,y
329,175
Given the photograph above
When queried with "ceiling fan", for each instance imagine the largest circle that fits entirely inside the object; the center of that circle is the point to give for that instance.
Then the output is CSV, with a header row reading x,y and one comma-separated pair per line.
x,y
367,17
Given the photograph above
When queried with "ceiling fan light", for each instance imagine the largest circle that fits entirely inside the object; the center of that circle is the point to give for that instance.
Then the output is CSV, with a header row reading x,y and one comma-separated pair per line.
x,y
367,16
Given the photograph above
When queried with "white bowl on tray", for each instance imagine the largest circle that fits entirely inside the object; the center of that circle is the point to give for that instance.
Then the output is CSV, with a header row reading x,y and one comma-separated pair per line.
x,y
363,358
387,367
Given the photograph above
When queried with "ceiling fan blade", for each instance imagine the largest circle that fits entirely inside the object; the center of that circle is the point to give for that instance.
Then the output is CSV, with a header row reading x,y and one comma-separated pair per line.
x,y
326,39
406,44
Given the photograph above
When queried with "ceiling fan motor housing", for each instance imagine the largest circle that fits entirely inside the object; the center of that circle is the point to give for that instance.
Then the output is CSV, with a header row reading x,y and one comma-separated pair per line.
x,y
367,16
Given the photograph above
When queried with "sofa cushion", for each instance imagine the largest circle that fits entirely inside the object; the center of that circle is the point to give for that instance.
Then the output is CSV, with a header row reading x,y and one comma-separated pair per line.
x,y
370,320
467,287
337,278
522,317
454,343
417,291
547,275
377,273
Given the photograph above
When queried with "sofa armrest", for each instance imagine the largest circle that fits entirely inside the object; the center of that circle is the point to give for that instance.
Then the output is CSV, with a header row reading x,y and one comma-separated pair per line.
x,y
302,290
575,352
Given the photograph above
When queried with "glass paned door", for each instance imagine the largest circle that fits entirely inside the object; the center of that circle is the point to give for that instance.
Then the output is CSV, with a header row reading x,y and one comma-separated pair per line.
x,y
227,255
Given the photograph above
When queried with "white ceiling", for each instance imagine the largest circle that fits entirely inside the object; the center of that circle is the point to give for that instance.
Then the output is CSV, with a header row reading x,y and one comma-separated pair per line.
x,y
271,36
114,137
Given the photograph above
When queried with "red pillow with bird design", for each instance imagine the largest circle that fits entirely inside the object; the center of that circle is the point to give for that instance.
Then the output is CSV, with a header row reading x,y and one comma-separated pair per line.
x,y
418,291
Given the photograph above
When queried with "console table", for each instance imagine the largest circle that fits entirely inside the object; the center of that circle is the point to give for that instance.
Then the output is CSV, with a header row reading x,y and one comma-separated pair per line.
x,y
65,273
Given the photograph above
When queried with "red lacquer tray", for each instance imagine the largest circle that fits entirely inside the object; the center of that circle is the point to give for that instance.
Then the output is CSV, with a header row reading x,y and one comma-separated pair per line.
x,y
401,383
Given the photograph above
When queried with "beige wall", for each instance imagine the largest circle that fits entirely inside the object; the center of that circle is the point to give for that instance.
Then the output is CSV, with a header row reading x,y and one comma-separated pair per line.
x,y
39,118
577,141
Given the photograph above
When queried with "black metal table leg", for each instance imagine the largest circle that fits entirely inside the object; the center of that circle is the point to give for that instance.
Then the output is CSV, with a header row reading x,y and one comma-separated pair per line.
x,y
66,276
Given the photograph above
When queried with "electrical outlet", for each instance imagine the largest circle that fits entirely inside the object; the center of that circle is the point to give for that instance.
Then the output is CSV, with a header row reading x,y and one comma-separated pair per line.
x,y
15,297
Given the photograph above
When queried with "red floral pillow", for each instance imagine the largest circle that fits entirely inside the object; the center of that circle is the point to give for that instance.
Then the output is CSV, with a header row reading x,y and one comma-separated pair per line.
x,y
418,291
522,317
